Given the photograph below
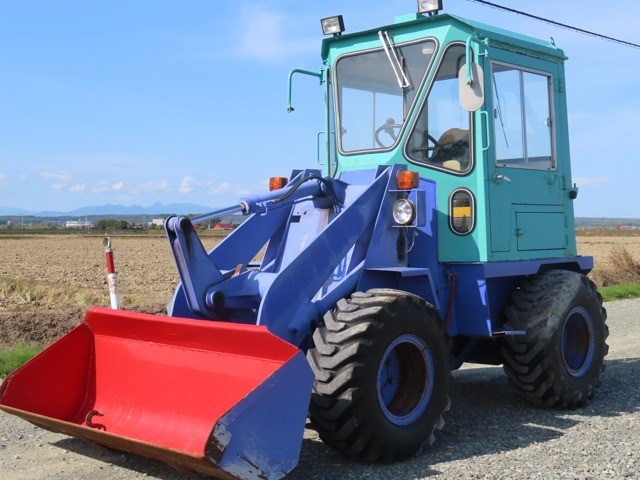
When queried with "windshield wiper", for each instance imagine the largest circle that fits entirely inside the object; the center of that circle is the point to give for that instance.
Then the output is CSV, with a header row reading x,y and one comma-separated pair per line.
x,y
396,65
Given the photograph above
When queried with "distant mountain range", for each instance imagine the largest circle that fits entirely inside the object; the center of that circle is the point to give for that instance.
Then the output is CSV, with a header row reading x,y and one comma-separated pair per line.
x,y
155,209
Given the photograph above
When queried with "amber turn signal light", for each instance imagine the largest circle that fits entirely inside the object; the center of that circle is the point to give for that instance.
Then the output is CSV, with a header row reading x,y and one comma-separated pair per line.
x,y
276,183
407,179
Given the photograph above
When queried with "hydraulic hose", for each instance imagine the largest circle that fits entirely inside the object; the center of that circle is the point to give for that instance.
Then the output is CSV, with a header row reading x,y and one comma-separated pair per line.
x,y
327,184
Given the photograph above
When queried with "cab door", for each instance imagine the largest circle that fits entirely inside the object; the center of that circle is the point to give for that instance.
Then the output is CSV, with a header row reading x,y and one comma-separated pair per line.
x,y
526,182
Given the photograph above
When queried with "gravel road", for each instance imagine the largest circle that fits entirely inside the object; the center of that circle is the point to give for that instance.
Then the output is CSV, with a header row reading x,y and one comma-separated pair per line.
x,y
489,433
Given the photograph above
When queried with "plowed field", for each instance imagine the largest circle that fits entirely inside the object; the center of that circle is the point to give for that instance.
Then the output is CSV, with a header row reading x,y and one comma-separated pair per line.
x,y
48,281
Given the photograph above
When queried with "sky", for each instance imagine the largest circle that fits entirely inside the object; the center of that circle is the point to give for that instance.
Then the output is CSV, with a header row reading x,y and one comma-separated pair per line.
x,y
136,102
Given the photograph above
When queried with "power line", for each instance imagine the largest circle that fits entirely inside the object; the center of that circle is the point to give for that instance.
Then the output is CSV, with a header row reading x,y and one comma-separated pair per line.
x,y
558,24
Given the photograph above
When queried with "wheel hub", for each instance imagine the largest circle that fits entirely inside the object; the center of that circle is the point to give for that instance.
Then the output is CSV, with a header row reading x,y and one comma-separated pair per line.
x,y
578,341
405,379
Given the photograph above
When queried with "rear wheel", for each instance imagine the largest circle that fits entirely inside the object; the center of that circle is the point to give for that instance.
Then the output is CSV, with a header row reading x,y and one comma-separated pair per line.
x,y
382,364
560,359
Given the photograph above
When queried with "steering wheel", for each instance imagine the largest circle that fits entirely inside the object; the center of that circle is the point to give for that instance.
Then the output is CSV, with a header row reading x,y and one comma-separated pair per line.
x,y
426,138
389,128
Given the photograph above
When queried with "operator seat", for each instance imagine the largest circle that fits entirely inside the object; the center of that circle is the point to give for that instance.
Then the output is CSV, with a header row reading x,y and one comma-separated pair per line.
x,y
453,149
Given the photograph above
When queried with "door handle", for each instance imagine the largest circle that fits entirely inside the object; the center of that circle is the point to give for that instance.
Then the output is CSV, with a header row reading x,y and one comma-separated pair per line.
x,y
485,116
501,178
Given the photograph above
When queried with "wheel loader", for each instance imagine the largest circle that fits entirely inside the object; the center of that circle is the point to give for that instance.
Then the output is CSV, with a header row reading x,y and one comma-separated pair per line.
x,y
438,231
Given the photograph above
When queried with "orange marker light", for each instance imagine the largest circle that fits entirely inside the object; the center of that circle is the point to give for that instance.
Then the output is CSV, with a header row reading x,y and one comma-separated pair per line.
x,y
407,179
276,183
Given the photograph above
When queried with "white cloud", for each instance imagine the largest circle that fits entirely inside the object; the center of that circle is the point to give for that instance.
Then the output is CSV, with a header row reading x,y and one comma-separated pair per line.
x,y
78,187
104,187
155,186
3,178
226,187
62,175
263,186
221,188
187,184
58,186
591,181
264,37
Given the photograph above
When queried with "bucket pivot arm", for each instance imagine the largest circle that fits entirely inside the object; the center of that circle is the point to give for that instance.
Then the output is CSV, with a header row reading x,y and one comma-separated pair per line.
x,y
199,270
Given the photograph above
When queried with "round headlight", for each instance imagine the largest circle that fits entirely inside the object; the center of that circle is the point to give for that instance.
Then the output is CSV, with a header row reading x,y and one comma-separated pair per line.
x,y
404,211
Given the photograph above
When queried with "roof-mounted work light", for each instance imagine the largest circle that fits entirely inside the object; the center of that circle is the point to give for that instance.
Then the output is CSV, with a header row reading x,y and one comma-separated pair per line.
x,y
332,25
431,7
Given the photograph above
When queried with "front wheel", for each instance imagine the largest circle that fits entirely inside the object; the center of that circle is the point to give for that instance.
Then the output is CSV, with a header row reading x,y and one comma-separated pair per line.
x,y
560,359
382,365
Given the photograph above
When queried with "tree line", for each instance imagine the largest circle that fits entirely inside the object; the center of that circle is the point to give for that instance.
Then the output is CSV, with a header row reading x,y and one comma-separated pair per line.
x,y
112,225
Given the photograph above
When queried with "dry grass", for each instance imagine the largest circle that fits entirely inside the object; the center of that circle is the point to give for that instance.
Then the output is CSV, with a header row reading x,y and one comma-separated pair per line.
x,y
616,256
25,293
623,268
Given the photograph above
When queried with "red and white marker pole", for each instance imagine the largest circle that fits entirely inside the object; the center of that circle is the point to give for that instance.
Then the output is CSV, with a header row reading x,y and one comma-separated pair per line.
x,y
112,278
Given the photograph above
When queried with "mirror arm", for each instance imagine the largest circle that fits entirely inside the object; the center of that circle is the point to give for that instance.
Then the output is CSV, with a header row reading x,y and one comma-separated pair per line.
x,y
319,75
484,43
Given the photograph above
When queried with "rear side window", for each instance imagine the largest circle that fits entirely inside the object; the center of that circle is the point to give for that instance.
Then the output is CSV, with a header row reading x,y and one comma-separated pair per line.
x,y
522,118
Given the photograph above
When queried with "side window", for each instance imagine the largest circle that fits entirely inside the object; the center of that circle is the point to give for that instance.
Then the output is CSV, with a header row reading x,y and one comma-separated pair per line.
x,y
522,118
441,137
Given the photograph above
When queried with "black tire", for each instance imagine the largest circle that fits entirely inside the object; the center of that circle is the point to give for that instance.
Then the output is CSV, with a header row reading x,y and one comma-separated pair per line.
x,y
558,363
373,411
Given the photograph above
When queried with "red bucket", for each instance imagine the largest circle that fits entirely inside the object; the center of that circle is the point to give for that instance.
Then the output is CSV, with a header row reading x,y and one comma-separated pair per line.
x,y
217,398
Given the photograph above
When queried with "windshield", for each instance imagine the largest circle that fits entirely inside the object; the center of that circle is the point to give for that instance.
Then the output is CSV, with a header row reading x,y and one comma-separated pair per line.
x,y
372,107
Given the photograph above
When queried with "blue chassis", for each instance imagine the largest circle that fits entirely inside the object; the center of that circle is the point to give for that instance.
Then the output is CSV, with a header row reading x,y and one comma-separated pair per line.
x,y
319,252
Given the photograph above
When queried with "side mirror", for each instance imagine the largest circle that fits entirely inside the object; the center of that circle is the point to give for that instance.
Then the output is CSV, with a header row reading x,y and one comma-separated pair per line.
x,y
471,93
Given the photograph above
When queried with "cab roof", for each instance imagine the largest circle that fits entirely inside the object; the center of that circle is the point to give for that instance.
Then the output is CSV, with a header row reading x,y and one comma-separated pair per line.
x,y
417,22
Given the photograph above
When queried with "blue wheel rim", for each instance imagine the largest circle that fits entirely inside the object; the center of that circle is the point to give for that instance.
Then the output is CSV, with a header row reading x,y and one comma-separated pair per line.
x,y
578,343
405,379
